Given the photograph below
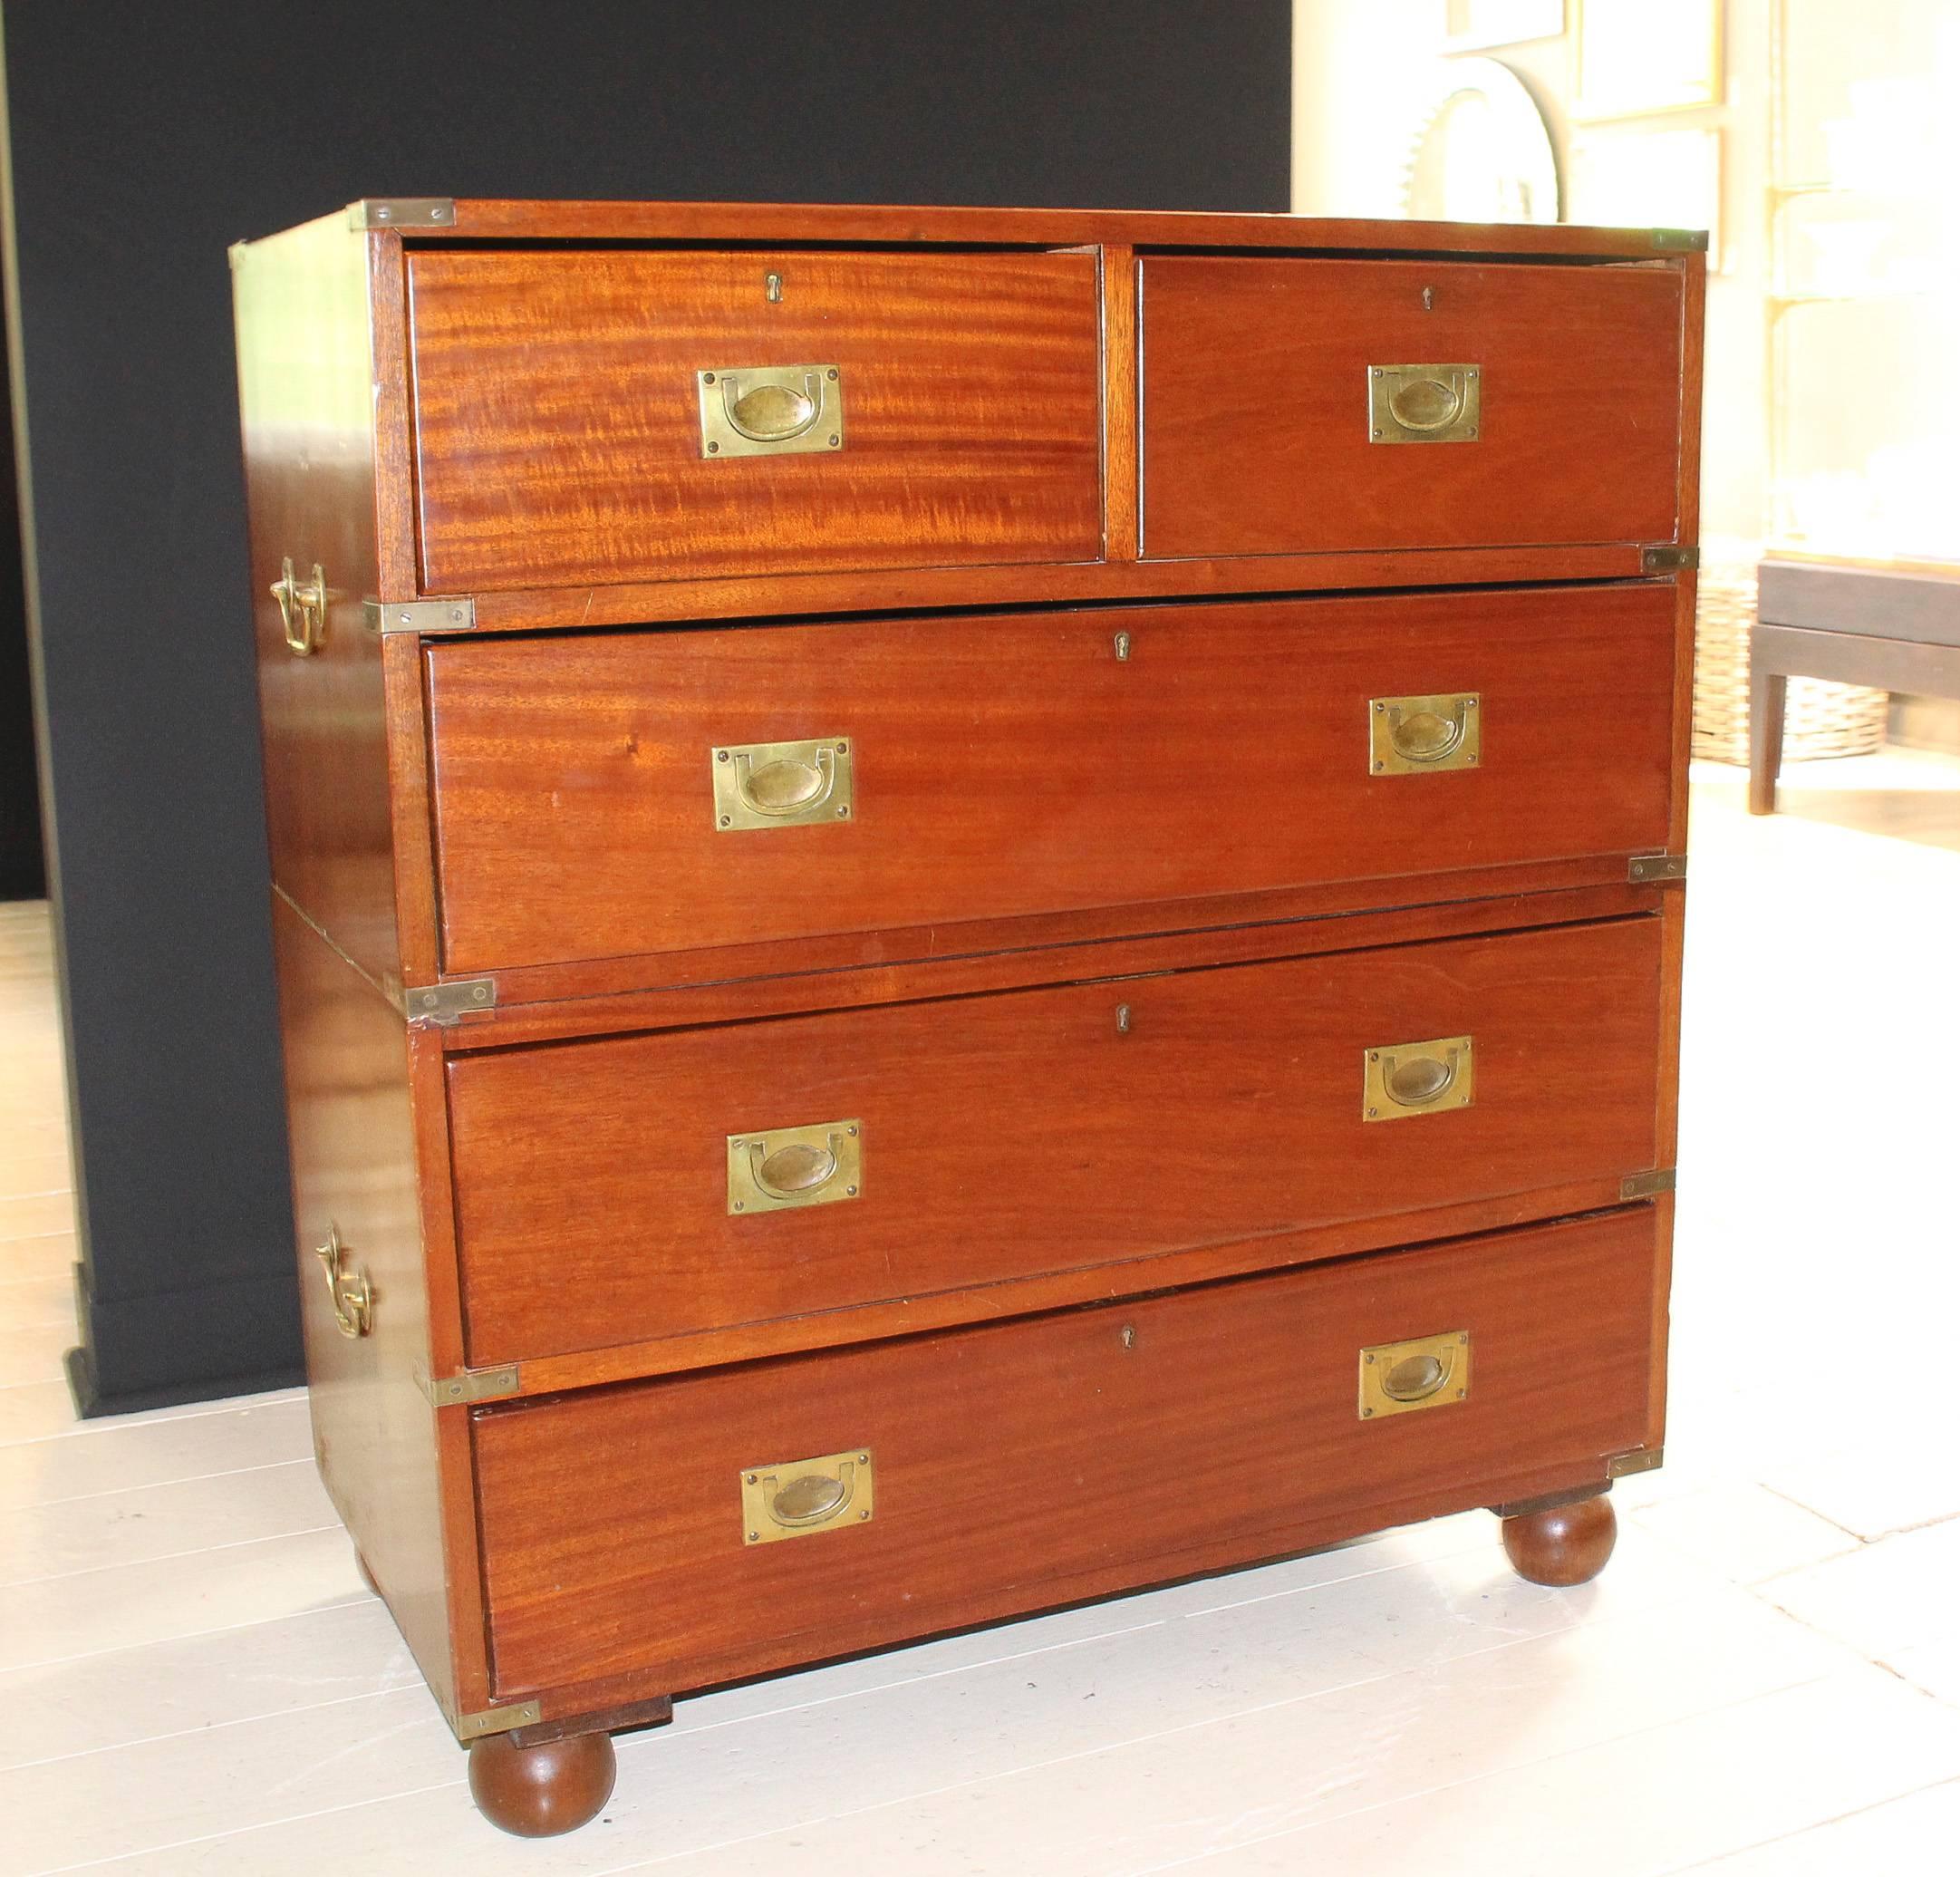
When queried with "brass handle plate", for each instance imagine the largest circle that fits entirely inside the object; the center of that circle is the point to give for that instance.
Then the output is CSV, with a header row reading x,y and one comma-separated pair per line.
x,y
791,1166
1424,403
770,410
1403,1378
1401,1080
782,785
353,1296
303,609
1419,736
796,1498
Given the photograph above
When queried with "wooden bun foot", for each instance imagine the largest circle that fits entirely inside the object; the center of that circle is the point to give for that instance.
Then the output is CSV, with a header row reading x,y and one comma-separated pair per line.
x,y
538,1792
1563,1544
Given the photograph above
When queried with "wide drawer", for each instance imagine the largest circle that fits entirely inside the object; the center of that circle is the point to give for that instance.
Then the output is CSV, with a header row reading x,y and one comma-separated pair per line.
x,y
1300,406
600,416
619,1191
599,795
971,1475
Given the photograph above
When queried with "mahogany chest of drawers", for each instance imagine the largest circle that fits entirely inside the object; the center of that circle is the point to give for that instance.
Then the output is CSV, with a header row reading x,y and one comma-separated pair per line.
x,y
918,854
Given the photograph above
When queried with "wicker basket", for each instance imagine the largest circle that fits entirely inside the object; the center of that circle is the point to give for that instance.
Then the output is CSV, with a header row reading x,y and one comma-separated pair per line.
x,y
1819,719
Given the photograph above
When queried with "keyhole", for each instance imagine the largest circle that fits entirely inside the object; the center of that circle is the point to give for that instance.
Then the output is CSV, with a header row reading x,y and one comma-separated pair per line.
x,y
772,287
1429,299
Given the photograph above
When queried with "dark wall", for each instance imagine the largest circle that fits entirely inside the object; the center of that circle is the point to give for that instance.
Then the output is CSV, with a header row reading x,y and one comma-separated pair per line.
x,y
145,139
21,875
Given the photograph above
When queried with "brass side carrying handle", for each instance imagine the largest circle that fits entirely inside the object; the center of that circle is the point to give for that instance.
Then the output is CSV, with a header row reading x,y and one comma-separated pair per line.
x,y
352,1294
770,410
793,1498
1411,736
1401,1080
307,604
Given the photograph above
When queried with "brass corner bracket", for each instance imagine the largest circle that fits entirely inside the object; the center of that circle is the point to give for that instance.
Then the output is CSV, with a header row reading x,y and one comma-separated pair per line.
x,y
450,615
468,1384
496,1720
1638,1459
1666,557
375,212
1643,869
444,1004
1645,1185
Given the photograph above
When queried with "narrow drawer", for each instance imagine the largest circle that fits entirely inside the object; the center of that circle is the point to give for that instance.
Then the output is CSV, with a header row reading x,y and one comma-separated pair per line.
x,y
600,795
564,423
929,1148
1024,1464
1303,406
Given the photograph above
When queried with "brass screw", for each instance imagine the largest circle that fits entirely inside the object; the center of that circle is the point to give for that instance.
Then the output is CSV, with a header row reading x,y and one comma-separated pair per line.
x,y
754,1538
1461,1393
863,1460
711,446
844,748
850,1191
1379,767
862,1515
1375,1055
832,374
834,441
852,1132
714,450
721,755
1373,1113
844,814
754,1479
1367,1413
1377,374
708,377
724,821
739,1204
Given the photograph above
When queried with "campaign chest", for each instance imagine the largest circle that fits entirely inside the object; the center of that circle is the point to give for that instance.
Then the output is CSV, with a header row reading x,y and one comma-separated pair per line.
x,y
920,857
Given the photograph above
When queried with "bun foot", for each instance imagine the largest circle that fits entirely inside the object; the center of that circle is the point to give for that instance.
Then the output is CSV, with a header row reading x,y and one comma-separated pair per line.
x,y
1562,1544
538,1792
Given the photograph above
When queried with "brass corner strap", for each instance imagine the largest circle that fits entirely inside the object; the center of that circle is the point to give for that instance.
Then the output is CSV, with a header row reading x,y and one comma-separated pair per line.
x,y
401,212
496,1720
1645,869
468,1384
1680,240
1666,557
444,1004
1645,1186
456,614
1638,1459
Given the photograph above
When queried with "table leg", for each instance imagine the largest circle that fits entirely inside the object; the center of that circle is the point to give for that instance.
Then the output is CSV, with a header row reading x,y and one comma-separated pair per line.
x,y
1766,692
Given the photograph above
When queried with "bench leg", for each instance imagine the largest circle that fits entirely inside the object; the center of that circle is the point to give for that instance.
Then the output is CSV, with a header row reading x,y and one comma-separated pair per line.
x,y
1766,692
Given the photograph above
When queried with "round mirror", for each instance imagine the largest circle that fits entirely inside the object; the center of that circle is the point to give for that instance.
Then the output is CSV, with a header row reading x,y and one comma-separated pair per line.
x,y
1481,151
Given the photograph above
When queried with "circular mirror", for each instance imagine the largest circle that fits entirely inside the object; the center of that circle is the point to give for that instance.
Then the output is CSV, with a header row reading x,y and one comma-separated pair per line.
x,y
1481,151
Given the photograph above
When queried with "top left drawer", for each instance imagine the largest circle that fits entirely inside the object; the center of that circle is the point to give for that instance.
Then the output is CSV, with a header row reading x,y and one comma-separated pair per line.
x,y
563,415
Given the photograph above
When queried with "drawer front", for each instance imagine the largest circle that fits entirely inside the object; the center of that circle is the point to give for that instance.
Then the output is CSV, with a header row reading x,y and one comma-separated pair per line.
x,y
1266,432
1025,764
562,422
1024,1464
961,1143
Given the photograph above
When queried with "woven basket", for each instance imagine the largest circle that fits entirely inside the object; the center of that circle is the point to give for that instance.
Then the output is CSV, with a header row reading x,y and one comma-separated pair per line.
x,y
1819,719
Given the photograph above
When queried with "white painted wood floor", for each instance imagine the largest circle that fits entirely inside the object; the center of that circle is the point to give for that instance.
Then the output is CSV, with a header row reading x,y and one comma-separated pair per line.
x,y
1765,1682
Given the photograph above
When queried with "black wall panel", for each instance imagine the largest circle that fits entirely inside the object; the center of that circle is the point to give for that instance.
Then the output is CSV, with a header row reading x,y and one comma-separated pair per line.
x,y
145,139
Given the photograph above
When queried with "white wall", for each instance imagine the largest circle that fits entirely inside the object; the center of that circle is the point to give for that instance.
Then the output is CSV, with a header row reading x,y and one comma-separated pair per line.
x,y
1351,137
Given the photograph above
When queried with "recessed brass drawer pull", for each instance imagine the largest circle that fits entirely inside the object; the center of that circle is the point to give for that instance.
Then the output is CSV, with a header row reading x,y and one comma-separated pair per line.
x,y
782,785
1427,1371
302,609
790,1166
794,1498
1400,1080
1409,736
770,410
1424,403
352,1294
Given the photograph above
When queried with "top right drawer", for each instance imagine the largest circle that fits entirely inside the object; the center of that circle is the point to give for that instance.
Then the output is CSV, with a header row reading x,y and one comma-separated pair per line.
x,y
1321,406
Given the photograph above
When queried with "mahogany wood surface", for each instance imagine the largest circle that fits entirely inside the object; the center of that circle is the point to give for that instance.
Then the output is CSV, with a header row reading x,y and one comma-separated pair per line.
x,y
302,308
1562,1546
1256,437
481,219
1038,1131
1019,1464
1121,483
912,589
558,432
556,1002
354,1167
1016,765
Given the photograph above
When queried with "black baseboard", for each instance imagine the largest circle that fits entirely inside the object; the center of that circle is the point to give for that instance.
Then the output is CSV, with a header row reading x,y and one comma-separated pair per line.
x,y
90,1402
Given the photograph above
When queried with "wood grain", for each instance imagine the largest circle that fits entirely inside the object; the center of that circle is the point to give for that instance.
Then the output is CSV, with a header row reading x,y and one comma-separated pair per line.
x,y
911,589
1256,438
1020,1464
1121,488
1017,766
558,433
354,1167
481,219
302,307
1005,1136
